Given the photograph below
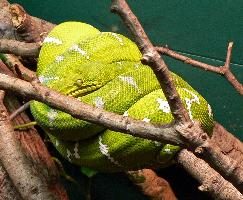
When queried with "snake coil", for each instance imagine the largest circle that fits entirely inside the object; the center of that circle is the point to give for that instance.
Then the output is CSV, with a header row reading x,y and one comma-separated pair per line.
x,y
104,69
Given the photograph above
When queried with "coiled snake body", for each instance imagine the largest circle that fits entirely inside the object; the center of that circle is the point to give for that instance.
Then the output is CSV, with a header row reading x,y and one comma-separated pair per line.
x,y
104,69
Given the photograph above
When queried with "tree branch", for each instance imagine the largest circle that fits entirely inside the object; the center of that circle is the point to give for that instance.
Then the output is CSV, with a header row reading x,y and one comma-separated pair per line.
x,y
192,132
33,149
210,180
28,28
170,134
18,68
152,58
8,191
153,186
223,70
87,112
19,48
11,155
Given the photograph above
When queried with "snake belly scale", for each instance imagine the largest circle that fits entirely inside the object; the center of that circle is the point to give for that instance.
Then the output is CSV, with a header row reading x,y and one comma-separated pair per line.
x,y
104,69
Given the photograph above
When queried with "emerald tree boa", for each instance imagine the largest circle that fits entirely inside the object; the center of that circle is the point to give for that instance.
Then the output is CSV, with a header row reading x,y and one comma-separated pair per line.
x,y
104,69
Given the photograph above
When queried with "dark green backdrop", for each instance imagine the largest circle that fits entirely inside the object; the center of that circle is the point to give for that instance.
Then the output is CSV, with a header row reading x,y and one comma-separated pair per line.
x,y
201,29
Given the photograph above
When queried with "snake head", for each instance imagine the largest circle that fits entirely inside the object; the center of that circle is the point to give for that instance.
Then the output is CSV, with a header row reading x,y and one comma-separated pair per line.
x,y
79,80
74,85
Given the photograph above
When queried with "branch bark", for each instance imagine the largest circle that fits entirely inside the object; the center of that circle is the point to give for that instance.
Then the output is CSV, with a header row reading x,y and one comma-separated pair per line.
x,y
34,153
210,180
156,188
84,111
110,120
12,155
29,28
7,189
152,58
192,132
19,48
222,70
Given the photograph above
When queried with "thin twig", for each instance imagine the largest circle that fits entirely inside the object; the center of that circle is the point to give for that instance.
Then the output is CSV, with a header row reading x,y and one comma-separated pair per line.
x,y
190,61
223,70
19,110
228,56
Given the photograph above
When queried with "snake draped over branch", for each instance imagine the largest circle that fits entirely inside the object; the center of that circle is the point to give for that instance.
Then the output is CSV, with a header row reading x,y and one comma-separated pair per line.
x,y
104,69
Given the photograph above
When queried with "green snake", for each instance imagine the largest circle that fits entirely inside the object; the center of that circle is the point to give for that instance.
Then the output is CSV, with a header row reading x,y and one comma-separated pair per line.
x,y
104,69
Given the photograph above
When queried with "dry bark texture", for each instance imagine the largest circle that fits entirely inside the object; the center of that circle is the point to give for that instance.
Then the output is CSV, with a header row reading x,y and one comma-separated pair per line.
x,y
153,186
35,155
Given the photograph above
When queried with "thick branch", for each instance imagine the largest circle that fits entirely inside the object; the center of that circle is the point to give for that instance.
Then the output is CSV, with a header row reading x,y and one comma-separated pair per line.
x,y
152,58
210,180
18,68
7,189
34,149
29,29
83,111
193,134
19,48
11,156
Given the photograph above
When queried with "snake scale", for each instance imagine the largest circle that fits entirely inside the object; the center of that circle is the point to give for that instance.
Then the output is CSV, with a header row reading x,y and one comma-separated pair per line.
x,y
104,69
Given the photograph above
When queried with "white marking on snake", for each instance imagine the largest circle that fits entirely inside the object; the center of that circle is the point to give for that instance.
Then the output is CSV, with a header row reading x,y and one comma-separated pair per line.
x,y
163,105
168,151
146,119
157,143
125,114
129,80
76,155
136,66
59,59
99,102
196,99
104,149
119,65
68,155
57,143
190,101
52,40
210,112
44,79
118,38
52,115
76,48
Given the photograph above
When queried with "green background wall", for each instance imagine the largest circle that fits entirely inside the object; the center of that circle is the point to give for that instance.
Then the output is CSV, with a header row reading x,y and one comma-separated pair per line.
x,y
201,29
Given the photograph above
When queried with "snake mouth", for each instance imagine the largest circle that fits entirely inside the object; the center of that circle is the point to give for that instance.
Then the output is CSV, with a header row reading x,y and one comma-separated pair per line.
x,y
84,90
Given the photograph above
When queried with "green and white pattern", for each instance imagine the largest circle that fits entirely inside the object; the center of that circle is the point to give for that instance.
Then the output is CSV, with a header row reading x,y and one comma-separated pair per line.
x,y
104,69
